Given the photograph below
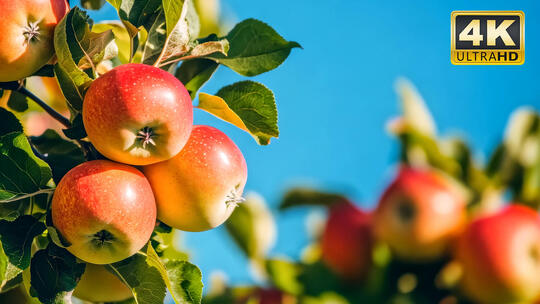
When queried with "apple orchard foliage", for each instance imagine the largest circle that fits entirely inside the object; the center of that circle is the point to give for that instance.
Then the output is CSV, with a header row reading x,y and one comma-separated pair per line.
x,y
162,33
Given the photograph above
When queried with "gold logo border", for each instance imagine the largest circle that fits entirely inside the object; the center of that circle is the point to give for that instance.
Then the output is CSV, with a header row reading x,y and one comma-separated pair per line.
x,y
521,15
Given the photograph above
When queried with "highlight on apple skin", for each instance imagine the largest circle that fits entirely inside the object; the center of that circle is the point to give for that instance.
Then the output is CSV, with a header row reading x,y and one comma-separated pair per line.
x,y
199,188
138,114
105,210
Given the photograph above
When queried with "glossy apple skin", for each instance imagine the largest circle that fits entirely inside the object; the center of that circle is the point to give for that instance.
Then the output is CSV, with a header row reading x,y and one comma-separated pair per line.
x,y
347,241
98,285
192,188
101,198
500,256
130,98
19,57
419,215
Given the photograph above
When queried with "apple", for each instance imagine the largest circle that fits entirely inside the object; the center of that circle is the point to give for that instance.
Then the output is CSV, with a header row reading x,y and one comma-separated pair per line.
x,y
137,114
35,123
347,241
105,210
500,256
26,43
199,188
420,214
97,284
48,89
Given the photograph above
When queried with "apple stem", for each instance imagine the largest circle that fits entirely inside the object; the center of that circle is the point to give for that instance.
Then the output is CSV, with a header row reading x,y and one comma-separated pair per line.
x,y
19,87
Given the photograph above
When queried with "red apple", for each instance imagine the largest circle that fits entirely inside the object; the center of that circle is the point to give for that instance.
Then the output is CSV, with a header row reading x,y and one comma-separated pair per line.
x,y
419,215
500,257
199,188
347,241
105,210
97,284
138,114
26,43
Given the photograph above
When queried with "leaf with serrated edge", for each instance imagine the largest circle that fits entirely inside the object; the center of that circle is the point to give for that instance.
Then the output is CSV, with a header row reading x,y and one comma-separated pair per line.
x,y
248,105
255,48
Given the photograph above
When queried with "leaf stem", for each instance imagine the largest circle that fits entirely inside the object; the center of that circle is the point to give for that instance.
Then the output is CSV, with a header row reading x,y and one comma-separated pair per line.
x,y
18,87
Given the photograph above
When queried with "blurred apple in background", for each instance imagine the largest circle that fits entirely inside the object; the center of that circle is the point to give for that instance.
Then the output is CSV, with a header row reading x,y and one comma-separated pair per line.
x,y
347,241
419,214
500,257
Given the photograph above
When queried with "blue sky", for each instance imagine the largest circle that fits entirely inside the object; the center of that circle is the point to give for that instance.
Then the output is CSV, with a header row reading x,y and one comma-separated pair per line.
x,y
335,96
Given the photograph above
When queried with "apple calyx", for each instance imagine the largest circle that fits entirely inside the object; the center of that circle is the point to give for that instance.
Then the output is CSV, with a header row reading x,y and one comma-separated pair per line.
x,y
31,32
406,210
101,237
146,136
234,198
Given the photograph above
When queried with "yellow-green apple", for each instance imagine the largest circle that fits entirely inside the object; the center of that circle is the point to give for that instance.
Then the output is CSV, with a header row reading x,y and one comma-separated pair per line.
x,y
26,43
199,188
98,285
420,214
500,257
105,210
137,114
48,89
347,241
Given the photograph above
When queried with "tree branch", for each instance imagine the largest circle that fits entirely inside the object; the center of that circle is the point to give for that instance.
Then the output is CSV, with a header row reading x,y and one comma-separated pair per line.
x,y
18,87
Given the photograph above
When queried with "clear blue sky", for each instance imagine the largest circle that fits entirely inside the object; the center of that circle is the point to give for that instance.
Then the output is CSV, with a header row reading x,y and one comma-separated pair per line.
x,y
335,96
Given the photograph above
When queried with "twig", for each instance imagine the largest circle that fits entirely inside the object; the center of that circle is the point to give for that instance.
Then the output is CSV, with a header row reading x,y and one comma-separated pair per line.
x,y
18,87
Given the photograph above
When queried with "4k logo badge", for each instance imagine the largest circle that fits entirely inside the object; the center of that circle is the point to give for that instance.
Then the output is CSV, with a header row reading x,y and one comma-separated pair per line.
x,y
488,37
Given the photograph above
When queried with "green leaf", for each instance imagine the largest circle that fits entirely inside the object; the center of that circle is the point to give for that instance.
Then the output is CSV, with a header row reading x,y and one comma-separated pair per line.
x,y
136,12
62,155
309,197
23,176
70,35
255,48
149,279
164,43
252,227
45,71
17,237
121,37
195,73
10,123
92,4
17,102
248,105
77,130
173,12
284,275
4,261
164,243
54,274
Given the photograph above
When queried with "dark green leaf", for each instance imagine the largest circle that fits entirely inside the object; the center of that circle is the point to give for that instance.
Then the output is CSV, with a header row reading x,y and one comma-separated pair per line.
x,y
17,237
137,13
17,102
248,105
195,73
255,48
92,4
45,71
10,123
62,155
77,130
23,176
309,197
54,274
